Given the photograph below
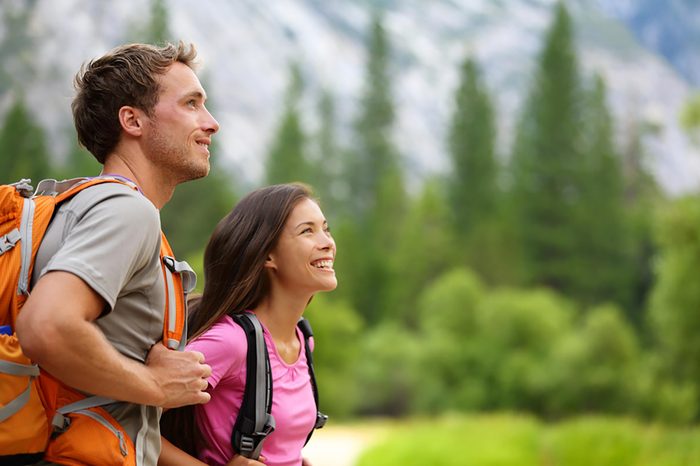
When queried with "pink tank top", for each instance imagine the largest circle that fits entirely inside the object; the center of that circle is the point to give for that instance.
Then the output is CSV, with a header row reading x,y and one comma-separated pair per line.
x,y
293,407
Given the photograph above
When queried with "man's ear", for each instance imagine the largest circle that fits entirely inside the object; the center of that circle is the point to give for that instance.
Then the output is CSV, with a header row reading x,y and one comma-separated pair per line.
x,y
131,120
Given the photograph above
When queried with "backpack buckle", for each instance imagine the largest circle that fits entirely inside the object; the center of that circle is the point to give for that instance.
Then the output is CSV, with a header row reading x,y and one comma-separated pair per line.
x,y
9,240
321,420
60,423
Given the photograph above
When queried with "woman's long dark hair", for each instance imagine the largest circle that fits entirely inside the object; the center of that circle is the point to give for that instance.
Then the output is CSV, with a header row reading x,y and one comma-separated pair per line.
x,y
234,278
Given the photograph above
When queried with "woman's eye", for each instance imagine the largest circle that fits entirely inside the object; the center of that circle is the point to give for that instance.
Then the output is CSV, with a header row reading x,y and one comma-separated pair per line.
x,y
306,230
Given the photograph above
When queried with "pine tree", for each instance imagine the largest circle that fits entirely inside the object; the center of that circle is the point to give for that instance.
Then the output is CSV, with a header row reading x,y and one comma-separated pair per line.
x,y
605,248
376,192
641,196
286,160
375,159
16,44
23,152
546,164
472,183
424,251
326,180
156,29
78,161
568,187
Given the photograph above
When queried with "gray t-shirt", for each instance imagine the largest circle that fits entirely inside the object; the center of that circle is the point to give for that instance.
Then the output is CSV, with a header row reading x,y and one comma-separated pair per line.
x,y
109,236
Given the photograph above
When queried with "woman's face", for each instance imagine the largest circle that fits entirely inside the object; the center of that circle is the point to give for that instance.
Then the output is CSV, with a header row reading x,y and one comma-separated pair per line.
x,y
303,258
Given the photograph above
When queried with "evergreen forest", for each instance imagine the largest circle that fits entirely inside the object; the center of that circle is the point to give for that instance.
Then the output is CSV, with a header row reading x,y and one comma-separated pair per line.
x,y
556,279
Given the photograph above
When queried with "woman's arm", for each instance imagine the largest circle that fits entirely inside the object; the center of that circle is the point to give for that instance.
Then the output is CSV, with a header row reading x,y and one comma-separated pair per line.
x,y
170,455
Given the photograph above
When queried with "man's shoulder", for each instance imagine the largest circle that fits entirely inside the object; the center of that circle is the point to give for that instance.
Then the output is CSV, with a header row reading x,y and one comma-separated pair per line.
x,y
115,199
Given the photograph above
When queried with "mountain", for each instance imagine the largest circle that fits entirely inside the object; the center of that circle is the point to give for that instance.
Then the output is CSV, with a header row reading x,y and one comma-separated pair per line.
x,y
670,28
246,47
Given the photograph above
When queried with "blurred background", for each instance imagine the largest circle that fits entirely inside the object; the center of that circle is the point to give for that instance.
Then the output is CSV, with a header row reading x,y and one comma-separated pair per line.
x,y
512,184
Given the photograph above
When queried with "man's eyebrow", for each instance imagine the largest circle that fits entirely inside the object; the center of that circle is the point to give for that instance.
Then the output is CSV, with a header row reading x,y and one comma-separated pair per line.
x,y
197,94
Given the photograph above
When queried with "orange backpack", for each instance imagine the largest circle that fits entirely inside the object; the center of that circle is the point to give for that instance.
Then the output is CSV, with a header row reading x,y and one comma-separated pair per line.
x,y
39,416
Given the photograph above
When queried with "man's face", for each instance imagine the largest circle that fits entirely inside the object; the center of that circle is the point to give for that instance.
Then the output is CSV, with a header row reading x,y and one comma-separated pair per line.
x,y
178,133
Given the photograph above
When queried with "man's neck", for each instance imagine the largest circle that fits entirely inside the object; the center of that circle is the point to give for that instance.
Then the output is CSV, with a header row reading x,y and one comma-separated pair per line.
x,y
144,175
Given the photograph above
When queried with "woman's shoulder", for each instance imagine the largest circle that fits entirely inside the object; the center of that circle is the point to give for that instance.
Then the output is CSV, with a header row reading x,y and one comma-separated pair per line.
x,y
225,333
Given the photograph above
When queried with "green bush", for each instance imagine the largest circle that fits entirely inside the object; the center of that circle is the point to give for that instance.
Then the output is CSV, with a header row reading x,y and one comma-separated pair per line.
x,y
386,376
336,330
513,440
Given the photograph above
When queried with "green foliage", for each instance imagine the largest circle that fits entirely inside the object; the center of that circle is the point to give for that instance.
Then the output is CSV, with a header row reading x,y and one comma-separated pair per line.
x,y
674,316
509,440
690,118
156,29
196,207
450,368
663,399
423,251
492,441
387,374
642,196
518,331
79,162
472,185
286,161
326,160
375,204
596,368
547,186
337,328
17,45
23,152
602,442
568,191
605,245
374,156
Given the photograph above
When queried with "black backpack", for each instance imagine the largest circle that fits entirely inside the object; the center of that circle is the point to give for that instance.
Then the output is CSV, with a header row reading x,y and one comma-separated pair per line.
x,y
255,421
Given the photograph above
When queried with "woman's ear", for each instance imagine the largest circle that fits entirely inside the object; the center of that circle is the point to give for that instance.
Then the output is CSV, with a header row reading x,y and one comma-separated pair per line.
x,y
270,262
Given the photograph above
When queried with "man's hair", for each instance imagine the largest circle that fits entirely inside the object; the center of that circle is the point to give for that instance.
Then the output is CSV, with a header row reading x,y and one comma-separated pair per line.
x,y
127,75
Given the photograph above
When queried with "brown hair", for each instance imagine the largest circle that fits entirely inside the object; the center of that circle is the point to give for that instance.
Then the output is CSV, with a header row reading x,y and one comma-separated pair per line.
x,y
127,75
234,278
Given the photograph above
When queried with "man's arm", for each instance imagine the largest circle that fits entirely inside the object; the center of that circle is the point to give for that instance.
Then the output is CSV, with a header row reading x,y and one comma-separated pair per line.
x,y
56,330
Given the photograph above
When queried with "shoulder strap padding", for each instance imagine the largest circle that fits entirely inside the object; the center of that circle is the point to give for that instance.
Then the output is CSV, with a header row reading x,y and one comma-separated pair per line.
x,y
254,421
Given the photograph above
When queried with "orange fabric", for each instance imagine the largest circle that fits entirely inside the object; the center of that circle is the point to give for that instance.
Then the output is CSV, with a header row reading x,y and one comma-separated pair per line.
x,y
85,441
166,250
27,431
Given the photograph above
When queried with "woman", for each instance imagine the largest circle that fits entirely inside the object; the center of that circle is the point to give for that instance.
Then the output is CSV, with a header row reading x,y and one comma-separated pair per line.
x,y
269,256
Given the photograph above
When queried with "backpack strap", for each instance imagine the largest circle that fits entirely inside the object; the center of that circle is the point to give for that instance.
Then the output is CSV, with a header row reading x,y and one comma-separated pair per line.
x,y
179,280
254,421
321,418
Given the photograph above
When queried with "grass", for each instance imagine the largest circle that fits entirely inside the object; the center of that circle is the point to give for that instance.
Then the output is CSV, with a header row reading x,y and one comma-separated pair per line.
x,y
514,440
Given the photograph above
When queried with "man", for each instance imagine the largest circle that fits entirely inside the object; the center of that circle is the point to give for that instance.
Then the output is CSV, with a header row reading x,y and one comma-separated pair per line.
x,y
96,309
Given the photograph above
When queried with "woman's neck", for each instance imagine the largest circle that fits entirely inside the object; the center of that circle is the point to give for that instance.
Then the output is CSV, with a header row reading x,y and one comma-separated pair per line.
x,y
280,314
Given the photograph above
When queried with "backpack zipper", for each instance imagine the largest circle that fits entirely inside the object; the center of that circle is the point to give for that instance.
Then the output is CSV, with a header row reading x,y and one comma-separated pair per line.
x,y
117,433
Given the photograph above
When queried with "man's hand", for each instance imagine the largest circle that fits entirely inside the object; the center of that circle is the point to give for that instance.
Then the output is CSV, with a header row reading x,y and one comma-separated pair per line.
x,y
181,376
